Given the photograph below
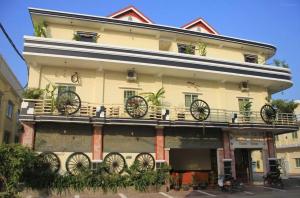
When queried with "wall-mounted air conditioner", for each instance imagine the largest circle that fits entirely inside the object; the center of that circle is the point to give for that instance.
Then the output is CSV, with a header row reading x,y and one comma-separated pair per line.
x,y
244,86
131,75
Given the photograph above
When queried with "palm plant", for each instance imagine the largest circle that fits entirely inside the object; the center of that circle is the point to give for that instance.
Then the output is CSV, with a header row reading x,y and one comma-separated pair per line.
x,y
246,109
280,63
40,29
285,106
155,98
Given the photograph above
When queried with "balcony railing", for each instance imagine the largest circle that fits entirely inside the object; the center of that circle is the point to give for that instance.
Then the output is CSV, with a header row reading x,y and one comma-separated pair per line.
x,y
44,107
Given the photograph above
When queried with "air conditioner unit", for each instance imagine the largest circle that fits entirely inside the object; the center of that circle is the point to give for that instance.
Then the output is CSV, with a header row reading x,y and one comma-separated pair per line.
x,y
244,86
131,75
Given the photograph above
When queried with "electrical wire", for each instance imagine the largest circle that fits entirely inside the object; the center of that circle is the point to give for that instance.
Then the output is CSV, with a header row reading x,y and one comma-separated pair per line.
x,y
16,50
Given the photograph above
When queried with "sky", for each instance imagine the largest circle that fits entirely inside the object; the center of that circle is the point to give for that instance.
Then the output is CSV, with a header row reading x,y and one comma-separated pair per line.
x,y
271,21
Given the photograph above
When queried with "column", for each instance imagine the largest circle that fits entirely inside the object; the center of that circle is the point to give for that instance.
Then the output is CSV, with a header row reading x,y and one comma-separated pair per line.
x,y
271,146
228,152
97,142
167,155
27,137
159,144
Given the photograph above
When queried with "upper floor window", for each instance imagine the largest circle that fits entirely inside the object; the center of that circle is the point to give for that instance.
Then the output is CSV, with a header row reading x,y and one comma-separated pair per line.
x,y
186,49
189,98
297,162
295,135
250,58
86,36
128,94
10,109
63,88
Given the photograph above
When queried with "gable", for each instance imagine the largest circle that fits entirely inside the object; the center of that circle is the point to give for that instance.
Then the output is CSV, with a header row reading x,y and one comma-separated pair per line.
x,y
201,26
131,14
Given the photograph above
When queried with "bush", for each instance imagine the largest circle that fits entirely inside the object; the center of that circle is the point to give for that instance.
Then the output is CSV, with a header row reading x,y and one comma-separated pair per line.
x,y
33,93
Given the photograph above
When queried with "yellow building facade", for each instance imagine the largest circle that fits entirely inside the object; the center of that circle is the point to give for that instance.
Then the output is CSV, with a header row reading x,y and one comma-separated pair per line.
x,y
288,150
109,64
10,101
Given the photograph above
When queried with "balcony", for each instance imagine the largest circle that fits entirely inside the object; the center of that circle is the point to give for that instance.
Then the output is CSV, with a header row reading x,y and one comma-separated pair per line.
x,y
42,110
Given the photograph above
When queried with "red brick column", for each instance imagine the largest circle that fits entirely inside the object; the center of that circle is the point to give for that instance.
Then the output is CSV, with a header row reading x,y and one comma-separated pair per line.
x,y
159,144
27,137
97,142
226,145
167,155
271,145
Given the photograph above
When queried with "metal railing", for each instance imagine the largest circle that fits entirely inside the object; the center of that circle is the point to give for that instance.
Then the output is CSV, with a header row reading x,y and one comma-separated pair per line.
x,y
44,107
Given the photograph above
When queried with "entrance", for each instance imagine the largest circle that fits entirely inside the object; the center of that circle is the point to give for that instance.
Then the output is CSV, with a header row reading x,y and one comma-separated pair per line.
x,y
248,165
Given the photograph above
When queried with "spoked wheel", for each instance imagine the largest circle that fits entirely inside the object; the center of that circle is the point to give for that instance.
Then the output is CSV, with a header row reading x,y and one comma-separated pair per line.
x,y
50,160
68,102
77,163
268,114
199,110
115,163
136,107
144,161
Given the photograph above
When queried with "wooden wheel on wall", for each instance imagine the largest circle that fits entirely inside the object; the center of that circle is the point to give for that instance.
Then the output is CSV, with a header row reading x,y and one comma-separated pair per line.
x,y
114,162
268,114
144,162
136,107
78,162
68,102
199,110
50,160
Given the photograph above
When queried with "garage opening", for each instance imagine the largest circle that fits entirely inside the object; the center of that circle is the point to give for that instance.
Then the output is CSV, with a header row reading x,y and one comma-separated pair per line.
x,y
194,166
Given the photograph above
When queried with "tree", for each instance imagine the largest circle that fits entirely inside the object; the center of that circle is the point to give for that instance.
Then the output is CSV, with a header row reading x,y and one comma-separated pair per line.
x,y
155,98
285,106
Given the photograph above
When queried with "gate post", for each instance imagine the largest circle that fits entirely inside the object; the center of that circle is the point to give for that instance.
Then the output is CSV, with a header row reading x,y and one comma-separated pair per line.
x,y
27,137
97,142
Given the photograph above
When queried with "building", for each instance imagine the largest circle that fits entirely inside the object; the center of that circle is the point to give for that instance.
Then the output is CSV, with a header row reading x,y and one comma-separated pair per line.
x,y
288,150
208,122
10,101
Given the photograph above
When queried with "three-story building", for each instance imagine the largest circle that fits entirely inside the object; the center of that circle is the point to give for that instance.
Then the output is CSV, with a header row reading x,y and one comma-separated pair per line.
x,y
212,115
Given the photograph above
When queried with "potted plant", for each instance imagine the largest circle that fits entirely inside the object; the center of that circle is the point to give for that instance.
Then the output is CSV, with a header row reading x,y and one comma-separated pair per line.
x,y
155,99
40,29
246,110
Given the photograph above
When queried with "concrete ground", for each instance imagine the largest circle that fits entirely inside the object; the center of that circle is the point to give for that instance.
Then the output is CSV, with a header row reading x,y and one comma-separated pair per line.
x,y
249,192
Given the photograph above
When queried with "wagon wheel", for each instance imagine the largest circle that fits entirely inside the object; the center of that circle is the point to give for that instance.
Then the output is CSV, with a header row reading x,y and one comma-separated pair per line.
x,y
200,110
77,162
68,102
268,114
144,161
51,160
136,107
115,162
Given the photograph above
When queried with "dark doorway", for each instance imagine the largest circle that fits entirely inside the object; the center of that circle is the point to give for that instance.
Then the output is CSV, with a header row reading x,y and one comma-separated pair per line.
x,y
243,165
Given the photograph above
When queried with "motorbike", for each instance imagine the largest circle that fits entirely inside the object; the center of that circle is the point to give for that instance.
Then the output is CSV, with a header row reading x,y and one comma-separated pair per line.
x,y
273,179
229,184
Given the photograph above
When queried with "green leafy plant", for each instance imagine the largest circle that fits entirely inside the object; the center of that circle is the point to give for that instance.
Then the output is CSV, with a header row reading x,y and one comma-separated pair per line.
x,y
40,29
201,47
50,90
246,109
285,106
155,98
280,63
95,38
33,93
189,49
76,37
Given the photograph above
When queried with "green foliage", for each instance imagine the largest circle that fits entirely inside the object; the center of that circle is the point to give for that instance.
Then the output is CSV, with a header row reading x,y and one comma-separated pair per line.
x,y
33,93
201,47
76,37
285,106
189,49
50,90
40,29
155,98
246,108
280,63
15,161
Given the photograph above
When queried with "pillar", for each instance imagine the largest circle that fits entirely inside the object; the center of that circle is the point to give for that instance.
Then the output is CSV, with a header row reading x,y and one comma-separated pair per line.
x,y
97,152
271,145
167,155
159,144
228,152
27,137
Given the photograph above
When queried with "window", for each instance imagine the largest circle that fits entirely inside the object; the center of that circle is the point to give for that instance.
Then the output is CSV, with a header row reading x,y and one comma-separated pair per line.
x,y
128,94
6,137
189,98
86,36
10,109
295,135
251,58
297,162
63,88
186,49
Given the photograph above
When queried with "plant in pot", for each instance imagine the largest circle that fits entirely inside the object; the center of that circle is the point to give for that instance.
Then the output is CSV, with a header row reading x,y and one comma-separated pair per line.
x,y
155,99
40,29
246,110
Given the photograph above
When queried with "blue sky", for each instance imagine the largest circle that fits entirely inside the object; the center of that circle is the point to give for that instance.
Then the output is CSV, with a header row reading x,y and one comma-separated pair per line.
x,y
271,21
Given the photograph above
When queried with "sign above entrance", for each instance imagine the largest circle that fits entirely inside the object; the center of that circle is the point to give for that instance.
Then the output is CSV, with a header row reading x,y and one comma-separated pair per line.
x,y
247,140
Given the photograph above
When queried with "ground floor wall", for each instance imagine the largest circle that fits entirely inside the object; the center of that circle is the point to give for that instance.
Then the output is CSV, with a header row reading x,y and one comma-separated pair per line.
x,y
187,149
